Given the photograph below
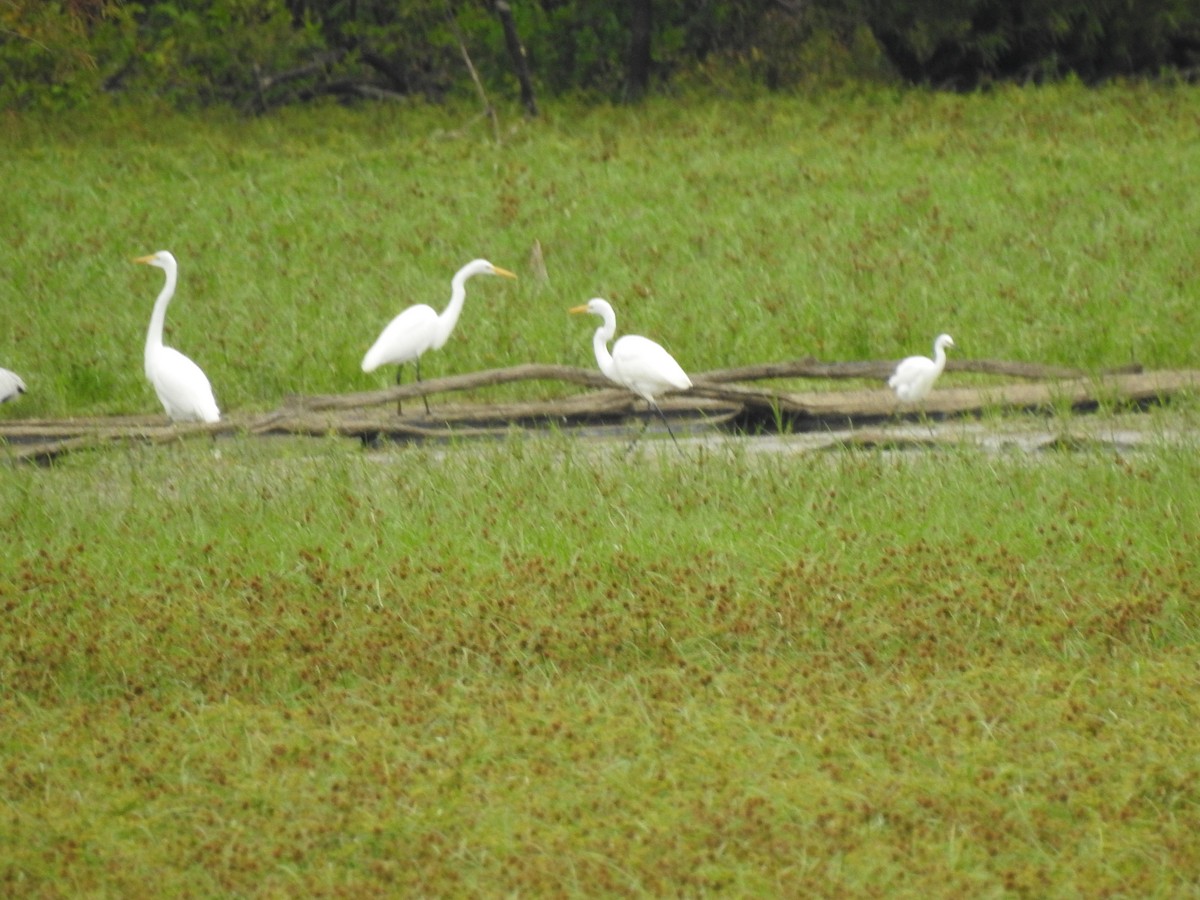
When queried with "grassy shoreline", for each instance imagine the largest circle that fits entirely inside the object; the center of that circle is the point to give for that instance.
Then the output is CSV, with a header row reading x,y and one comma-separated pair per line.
x,y
1043,225
529,667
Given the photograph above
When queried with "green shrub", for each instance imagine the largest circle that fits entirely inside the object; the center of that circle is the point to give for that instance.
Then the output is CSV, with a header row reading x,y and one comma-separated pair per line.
x,y
965,43
214,51
256,54
49,55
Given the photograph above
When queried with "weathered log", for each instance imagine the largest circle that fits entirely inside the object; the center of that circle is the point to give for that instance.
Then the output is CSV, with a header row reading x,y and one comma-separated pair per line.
x,y
881,369
806,368
709,404
867,405
451,383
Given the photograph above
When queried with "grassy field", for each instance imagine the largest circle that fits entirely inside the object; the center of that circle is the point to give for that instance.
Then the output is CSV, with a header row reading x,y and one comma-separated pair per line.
x,y
1047,225
540,666
537,667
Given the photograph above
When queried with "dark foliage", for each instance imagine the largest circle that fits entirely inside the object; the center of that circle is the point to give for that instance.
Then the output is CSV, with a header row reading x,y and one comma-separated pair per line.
x,y
963,44
255,54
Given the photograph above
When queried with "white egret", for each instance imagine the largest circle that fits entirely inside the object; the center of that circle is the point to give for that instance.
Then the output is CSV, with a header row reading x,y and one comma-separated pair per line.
x,y
420,328
11,385
180,384
914,376
636,363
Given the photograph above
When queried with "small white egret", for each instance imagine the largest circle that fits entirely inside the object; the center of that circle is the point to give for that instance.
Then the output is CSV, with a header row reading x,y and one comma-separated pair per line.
x,y
11,385
180,384
420,328
914,376
636,362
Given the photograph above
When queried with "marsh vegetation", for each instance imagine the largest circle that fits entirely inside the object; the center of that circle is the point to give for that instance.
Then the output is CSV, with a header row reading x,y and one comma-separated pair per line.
x,y
530,666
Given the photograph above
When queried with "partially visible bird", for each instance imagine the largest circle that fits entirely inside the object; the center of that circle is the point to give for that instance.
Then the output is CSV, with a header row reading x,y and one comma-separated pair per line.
x,y
636,363
181,385
10,385
420,328
914,376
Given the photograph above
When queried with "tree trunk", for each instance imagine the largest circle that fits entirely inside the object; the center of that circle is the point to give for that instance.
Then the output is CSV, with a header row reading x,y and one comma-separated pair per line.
x,y
516,51
641,23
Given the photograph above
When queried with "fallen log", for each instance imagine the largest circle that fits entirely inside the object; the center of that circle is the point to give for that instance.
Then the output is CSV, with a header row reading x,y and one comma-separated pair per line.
x,y
804,368
711,404
880,370
451,384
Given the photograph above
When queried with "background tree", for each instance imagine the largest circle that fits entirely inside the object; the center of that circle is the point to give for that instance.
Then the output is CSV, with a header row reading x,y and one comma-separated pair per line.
x,y
641,23
48,50
516,52
256,54
965,43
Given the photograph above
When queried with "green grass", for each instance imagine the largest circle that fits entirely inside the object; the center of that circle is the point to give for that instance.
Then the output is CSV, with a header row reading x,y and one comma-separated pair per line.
x,y
539,667
1046,225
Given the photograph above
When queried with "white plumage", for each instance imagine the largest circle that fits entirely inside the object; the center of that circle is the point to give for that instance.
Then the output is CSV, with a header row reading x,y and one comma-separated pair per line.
x,y
636,363
181,385
914,377
11,385
420,328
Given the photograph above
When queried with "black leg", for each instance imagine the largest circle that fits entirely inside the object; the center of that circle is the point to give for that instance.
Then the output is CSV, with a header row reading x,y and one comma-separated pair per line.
x,y
399,403
646,424
663,416
423,397
637,437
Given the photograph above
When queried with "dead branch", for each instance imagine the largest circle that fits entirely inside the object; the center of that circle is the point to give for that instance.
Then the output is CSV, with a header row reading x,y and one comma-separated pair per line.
x,y
1011,369
706,382
368,416
537,263
451,383
317,65
489,110
880,370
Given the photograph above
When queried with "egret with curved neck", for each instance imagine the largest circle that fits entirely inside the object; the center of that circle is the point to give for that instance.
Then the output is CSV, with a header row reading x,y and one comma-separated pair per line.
x,y
420,328
636,363
914,377
182,387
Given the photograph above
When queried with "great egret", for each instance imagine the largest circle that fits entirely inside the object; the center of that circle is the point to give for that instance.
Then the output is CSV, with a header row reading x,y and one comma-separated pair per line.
x,y
420,328
180,384
10,385
636,362
914,376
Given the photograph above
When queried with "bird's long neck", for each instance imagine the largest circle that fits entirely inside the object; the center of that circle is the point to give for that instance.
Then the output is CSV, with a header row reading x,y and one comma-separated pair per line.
x,y
449,317
600,340
154,337
939,357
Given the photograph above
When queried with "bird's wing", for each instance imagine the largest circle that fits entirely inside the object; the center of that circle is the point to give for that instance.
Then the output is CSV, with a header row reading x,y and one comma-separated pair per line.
x,y
646,368
182,387
910,369
404,339
10,385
